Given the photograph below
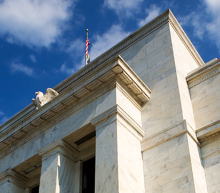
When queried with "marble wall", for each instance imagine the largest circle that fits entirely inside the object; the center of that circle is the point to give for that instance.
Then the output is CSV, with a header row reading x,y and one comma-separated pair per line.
x,y
205,99
210,152
163,61
149,149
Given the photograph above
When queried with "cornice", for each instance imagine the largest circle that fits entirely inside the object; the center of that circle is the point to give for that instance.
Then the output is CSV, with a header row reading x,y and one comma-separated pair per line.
x,y
208,131
186,41
203,73
116,70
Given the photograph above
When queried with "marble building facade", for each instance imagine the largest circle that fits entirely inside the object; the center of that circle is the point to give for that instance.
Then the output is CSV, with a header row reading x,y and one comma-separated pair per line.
x,y
141,118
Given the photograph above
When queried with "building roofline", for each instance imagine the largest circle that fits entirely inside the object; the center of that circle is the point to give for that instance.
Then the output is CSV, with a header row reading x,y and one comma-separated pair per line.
x,y
111,73
164,18
187,42
203,73
142,32
208,65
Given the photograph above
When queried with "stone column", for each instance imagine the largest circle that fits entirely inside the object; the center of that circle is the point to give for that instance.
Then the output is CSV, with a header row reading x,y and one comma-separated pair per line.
x,y
11,182
119,166
77,177
58,169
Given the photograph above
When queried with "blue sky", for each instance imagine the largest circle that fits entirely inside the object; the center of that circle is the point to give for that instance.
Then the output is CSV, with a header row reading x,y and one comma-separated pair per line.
x,y
42,41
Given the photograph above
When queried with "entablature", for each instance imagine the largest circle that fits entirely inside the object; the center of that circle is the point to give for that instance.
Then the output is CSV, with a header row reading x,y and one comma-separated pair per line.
x,y
109,74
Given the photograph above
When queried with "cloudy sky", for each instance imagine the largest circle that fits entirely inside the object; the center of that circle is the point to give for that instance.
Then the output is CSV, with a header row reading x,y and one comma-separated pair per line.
x,y
42,41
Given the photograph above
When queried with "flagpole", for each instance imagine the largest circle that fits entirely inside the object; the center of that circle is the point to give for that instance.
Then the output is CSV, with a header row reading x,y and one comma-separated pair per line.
x,y
87,58
87,34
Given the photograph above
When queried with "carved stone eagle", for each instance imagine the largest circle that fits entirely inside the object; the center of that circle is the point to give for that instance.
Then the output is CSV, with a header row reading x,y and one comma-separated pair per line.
x,y
41,98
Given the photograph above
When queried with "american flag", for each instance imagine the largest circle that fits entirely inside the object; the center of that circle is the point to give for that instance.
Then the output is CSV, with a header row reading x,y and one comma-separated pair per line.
x,y
87,57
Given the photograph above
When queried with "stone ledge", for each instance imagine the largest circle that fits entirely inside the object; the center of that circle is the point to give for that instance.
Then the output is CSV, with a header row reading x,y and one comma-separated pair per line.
x,y
168,134
203,73
208,131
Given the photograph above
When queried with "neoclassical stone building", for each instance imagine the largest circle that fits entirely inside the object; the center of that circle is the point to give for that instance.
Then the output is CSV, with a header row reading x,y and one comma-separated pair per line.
x,y
144,117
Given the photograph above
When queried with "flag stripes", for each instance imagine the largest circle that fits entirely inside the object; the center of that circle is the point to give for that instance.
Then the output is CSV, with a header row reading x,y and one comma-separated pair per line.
x,y
87,57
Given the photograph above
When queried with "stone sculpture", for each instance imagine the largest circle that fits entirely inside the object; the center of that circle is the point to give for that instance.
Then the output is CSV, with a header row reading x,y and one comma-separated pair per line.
x,y
41,98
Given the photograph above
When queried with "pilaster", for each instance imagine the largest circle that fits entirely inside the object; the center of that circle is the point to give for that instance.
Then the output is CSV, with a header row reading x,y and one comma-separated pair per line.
x,y
119,166
58,172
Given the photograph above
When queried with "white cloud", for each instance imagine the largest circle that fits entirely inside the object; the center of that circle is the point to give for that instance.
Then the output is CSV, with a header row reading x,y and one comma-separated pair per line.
x,y
193,19
18,67
123,7
33,22
76,48
213,26
66,70
105,41
213,5
205,23
100,44
33,58
3,117
152,12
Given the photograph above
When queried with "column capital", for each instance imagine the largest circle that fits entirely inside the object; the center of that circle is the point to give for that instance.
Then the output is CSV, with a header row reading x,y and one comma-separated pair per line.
x,y
59,147
13,177
116,113
58,168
